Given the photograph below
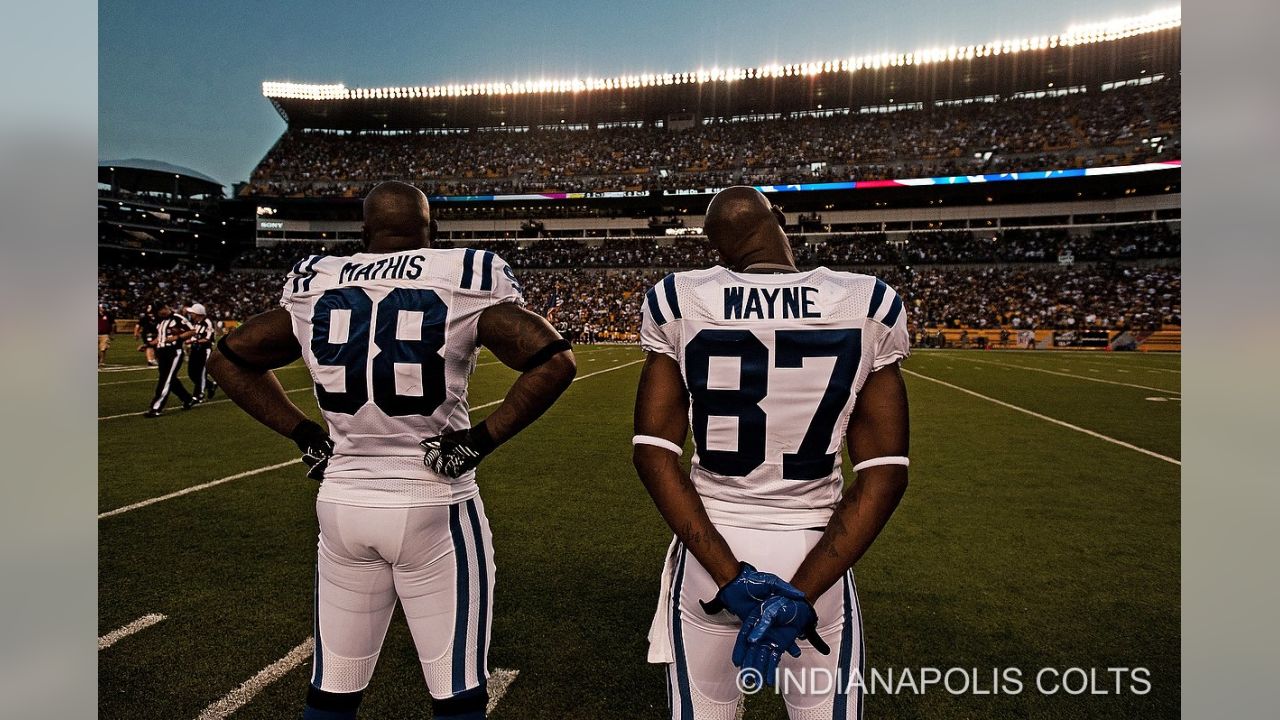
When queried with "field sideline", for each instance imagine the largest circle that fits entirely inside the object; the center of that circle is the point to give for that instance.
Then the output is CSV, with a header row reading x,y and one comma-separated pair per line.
x,y
1041,529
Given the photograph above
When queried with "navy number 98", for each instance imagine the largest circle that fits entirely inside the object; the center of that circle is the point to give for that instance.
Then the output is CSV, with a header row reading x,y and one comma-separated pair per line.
x,y
427,324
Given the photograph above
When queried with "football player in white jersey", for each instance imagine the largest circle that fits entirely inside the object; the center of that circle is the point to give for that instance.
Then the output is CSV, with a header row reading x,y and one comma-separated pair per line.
x,y
774,369
390,337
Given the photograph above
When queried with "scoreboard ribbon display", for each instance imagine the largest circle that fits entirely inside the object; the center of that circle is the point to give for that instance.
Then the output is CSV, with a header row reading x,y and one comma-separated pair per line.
x,y
828,186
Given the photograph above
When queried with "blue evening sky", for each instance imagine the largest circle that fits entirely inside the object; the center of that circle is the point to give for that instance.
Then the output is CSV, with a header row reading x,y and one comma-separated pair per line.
x,y
181,81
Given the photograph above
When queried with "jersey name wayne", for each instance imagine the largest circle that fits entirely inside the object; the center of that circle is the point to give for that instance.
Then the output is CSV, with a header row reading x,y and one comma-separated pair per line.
x,y
758,303
405,267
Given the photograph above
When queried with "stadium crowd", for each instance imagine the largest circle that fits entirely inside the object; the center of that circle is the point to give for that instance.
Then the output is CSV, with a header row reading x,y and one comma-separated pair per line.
x,y
1123,242
128,290
1076,130
1022,298
601,302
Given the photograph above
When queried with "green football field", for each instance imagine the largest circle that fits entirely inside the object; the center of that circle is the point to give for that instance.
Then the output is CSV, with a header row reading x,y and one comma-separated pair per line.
x,y
1040,531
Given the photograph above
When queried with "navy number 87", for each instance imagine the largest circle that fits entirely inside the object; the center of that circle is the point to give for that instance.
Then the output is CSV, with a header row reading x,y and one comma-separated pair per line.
x,y
811,461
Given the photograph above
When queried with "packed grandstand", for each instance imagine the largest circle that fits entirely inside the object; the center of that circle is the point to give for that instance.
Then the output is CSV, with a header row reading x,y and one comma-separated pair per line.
x,y
1053,133
951,279
1099,252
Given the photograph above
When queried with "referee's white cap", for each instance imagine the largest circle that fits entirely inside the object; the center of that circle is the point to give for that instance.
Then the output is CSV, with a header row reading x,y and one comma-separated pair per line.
x,y
197,309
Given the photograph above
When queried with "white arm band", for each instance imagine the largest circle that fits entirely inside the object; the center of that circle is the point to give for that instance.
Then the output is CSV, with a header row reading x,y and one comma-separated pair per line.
x,y
886,460
657,442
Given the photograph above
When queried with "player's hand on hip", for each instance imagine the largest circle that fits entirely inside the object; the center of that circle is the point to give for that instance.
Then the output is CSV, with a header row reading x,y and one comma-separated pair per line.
x,y
316,447
457,452
773,630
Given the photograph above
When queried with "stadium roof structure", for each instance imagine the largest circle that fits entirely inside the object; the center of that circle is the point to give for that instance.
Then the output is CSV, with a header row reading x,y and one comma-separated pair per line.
x,y
139,175
1083,57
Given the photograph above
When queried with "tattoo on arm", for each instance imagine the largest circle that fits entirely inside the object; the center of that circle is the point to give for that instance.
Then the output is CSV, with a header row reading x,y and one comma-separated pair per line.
x,y
879,427
662,411
265,341
515,335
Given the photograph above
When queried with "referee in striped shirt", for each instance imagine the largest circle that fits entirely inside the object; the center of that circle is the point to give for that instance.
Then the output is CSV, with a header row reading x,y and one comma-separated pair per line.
x,y
171,333
202,386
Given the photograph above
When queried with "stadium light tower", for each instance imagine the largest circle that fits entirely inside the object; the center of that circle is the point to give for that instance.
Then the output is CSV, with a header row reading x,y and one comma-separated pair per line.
x,y
1083,34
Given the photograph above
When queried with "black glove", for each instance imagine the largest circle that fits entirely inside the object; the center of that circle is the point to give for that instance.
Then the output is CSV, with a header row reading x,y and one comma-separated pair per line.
x,y
458,452
316,447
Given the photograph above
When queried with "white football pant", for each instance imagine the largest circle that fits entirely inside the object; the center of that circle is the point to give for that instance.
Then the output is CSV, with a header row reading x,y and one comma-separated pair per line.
x,y
703,683
436,560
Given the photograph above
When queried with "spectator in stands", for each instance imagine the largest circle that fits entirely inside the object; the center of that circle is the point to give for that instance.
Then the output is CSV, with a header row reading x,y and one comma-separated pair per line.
x,y
593,292
1091,129
1127,242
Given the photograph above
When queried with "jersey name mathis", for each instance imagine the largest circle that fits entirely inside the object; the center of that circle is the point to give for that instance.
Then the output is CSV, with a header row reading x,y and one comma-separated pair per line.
x,y
405,267
743,303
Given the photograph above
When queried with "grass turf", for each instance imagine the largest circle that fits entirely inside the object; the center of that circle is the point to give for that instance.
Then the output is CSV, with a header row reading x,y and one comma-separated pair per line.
x,y
1020,544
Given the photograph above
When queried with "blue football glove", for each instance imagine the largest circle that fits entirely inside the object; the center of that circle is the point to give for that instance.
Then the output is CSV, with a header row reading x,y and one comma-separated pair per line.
x,y
743,595
772,630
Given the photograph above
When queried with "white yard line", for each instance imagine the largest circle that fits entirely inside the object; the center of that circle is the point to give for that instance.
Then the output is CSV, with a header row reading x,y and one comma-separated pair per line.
x,y
1046,418
499,680
304,389
1115,358
241,696
203,404
119,634
152,380
277,466
1071,375
576,353
1113,364
606,370
195,488
1081,356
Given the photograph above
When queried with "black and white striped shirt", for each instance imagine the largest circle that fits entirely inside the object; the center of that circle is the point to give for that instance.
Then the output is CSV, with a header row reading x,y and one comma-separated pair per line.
x,y
169,329
204,332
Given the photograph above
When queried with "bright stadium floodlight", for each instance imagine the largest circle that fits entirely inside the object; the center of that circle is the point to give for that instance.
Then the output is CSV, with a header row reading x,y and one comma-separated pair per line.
x,y
1110,30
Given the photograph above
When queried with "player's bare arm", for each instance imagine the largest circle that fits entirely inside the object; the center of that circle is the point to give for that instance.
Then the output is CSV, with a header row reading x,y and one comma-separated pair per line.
x,y
522,341
525,341
243,362
878,431
662,411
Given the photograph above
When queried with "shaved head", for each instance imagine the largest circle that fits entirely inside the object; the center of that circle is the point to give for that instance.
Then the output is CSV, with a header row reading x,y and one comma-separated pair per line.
x,y
396,217
745,228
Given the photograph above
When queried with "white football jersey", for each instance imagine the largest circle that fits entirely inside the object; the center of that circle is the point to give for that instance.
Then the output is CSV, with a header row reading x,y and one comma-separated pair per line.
x,y
390,341
773,364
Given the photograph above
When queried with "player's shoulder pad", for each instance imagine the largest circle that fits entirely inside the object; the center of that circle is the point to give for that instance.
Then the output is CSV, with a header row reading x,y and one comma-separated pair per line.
x,y
886,305
478,269
301,274
662,302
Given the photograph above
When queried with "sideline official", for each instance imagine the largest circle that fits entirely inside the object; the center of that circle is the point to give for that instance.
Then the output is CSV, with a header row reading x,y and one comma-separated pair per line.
x,y
106,326
145,331
172,331
202,386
